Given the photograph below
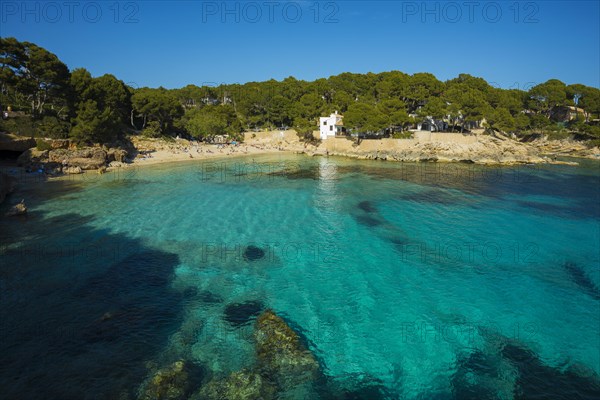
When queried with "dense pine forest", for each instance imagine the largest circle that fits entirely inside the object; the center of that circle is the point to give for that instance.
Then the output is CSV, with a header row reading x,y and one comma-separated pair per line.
x,y
46,99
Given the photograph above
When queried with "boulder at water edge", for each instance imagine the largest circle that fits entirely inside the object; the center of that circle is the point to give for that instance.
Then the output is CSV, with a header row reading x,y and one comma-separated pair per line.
x,y
17,209
72,170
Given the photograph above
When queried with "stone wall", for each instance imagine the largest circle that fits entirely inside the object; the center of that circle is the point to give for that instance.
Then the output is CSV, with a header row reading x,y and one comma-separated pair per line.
x,y
343,144
271,137
443,137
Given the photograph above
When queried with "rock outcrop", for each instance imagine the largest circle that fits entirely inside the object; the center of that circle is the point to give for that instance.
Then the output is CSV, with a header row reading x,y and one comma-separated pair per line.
x,y
565,148
116,155
72,170
69,160
17,209
9,142
482,149
33,158
478,148
87,158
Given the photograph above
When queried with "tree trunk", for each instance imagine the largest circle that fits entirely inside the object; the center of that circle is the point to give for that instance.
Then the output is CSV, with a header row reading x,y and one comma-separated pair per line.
x,y
131,119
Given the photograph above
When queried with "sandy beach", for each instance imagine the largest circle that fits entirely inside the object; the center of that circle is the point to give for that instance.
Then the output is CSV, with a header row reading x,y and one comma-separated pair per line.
x,y
155,151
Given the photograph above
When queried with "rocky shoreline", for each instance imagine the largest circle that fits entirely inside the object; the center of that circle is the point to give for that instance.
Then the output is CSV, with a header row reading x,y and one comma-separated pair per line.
x,y
58,157
64,157
486,150
71,161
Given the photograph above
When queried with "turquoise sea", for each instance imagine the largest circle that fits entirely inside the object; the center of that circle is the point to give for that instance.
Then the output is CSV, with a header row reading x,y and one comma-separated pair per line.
x,y
415,281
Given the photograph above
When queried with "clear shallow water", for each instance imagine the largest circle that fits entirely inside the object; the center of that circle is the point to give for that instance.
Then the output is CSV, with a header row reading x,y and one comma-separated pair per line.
x,y
409,280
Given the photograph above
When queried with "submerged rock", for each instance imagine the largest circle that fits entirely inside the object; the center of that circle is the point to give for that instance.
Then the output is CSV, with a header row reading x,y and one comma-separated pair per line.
x,y
533,378
286,369
240,385
17,209
240,314
367,220
367,207
356,387
538,380
170,383
253,253
281,353
190,292
579,276
209,297
483,376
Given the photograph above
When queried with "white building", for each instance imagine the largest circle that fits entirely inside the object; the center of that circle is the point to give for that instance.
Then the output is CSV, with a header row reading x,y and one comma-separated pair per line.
x,y
331,126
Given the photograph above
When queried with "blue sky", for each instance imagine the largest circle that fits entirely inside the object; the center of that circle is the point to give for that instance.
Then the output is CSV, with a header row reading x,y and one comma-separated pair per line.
x,y
154,43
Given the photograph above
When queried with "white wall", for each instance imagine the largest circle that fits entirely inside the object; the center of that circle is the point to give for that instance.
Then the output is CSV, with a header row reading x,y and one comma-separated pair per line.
x,y
325,130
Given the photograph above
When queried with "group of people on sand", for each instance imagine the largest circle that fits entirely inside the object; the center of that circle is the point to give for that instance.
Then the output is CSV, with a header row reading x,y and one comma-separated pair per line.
x,y
224,148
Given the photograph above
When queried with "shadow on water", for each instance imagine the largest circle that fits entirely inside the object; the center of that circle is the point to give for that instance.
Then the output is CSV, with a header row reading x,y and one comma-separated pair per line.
x,y
82,310
36,188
